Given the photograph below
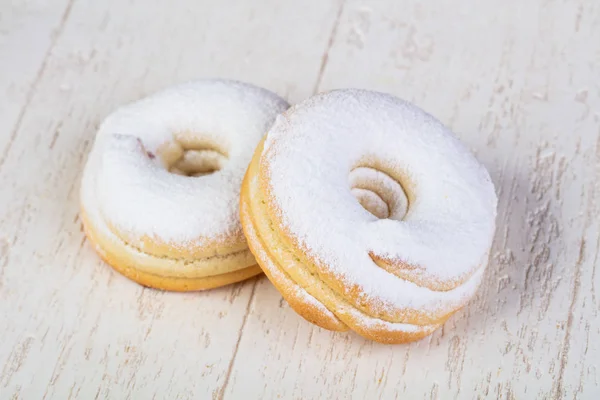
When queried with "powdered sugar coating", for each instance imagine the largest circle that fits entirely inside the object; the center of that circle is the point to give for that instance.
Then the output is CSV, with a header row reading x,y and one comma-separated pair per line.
x,y
135,192
447,232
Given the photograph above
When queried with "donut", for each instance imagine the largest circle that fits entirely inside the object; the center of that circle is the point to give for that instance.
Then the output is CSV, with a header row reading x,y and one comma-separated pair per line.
x,y
160,189
369,215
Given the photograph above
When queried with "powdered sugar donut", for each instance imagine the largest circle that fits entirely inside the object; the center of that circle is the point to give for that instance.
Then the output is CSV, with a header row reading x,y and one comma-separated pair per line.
x,y
368,214
160,190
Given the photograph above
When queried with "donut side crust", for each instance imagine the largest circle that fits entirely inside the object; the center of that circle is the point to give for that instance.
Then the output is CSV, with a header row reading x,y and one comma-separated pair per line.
x,y
183,279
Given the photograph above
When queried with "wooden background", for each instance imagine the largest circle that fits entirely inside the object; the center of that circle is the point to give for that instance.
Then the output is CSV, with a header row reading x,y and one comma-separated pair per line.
x,y
517,80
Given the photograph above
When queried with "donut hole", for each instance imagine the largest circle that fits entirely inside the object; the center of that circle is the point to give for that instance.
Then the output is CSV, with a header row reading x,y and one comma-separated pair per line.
x,y
372,202
198,163
378,193
192,158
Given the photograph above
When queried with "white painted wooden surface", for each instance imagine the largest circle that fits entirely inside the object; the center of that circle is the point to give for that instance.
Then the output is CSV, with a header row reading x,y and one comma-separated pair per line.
x,y
518,80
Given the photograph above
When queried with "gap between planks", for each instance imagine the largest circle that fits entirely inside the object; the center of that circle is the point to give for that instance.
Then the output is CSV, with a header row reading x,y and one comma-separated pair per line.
x,y
325,57
220,394
38,77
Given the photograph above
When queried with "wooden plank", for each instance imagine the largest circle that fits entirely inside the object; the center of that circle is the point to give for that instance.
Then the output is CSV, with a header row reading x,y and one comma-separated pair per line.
x,y
28,32
72,327
518,82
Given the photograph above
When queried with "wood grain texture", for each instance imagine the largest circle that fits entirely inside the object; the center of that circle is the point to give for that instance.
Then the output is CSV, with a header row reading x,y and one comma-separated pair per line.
x,y
518,81
31,25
